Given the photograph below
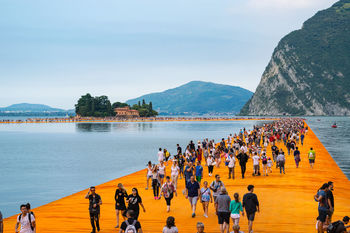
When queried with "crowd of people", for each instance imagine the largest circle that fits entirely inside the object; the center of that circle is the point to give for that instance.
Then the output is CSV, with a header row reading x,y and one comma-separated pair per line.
x,y
77,119
189,164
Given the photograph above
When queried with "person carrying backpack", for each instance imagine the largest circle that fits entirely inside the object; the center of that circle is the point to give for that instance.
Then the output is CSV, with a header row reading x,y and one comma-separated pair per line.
x,y
338,226
26,220
130,225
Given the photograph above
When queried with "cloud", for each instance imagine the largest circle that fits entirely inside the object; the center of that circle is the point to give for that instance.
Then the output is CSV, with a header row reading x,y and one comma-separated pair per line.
x,y
287,4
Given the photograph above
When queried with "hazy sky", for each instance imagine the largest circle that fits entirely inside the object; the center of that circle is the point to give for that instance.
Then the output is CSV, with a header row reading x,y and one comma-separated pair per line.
x,y
52,52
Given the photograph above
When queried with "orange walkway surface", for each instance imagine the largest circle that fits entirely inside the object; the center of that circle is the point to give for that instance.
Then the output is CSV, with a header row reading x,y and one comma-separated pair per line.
x,y
286,201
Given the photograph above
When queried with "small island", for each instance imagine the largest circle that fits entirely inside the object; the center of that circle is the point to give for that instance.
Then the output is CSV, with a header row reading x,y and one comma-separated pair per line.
x,y
100,106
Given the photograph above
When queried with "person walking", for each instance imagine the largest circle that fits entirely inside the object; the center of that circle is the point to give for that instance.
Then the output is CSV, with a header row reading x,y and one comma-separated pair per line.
x,y
264,163
321,198
235,209
216,186
162,172
95,202
192,194
131,224
243,159
256,160
155,182
168,189
281,160
160,155
231,164
26,220
199,172
205,197
134,202
312,157
170,226
297,157
222,206
175,170
149,173
330,198
119,197
251,206
211,163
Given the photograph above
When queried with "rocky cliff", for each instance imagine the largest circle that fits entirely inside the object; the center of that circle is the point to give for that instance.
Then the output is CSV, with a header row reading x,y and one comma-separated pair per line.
x,y
309,72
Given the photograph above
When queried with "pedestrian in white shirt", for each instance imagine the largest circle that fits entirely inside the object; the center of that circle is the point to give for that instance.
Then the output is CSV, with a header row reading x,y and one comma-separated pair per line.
x,y
231,164
160,155
256,159
26,220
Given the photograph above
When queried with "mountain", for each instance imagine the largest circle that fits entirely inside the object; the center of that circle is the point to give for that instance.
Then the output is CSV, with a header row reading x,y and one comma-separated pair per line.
x,y
25,109
198,97
309,72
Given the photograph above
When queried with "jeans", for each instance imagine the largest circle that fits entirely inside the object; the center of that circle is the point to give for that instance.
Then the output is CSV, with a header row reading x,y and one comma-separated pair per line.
x,y
95,218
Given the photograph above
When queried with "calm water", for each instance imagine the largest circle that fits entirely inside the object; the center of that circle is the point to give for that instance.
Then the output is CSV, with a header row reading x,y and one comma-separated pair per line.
x,y
43,162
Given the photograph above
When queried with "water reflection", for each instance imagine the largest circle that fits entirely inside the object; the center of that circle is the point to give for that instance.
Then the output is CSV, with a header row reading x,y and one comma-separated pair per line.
x,y
109,127
93,127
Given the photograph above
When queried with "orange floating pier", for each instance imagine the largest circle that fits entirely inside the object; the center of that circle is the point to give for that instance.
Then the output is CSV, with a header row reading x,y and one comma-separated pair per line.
x,y
286,201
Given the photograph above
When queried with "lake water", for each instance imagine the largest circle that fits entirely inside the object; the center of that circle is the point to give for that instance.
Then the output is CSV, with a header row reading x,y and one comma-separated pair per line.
x,y
44,162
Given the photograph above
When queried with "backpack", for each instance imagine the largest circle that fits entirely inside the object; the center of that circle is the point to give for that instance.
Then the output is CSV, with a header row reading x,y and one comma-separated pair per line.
x,y
29,218
130,228
333,227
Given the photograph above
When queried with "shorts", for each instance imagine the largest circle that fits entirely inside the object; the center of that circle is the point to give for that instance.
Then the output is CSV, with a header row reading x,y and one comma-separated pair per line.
x,y
198,178
256,167
311,161
235,216
224,217
193,200
161,176
149,176
251,216
322,214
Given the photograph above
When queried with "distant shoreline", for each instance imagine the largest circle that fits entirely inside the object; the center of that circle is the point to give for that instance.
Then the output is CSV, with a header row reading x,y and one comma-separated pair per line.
x,y
114,119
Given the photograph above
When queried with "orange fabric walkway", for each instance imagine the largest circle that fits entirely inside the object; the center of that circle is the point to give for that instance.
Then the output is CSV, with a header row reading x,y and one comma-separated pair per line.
x,y
286,201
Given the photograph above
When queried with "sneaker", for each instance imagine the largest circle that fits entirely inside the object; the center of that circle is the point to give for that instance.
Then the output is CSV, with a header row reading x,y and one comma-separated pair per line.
x,y
193,215
205,215
117,226
146,188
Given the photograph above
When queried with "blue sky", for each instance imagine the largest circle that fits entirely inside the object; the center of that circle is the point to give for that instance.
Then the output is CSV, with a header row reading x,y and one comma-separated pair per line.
x,y
52,52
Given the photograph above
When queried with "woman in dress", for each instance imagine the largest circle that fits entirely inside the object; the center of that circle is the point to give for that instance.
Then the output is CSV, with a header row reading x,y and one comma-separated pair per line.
x,y
119,197
175,170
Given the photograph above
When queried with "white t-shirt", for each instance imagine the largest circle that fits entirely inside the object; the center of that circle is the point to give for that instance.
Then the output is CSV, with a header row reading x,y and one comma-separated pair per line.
x,y
175,171
161,169
25,224
256,160
171,230
231,161
244,149
160,156
269,163
149,171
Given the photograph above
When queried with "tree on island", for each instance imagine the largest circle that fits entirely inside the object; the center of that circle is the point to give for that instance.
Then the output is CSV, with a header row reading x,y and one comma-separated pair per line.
x,y
145,110
100,106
